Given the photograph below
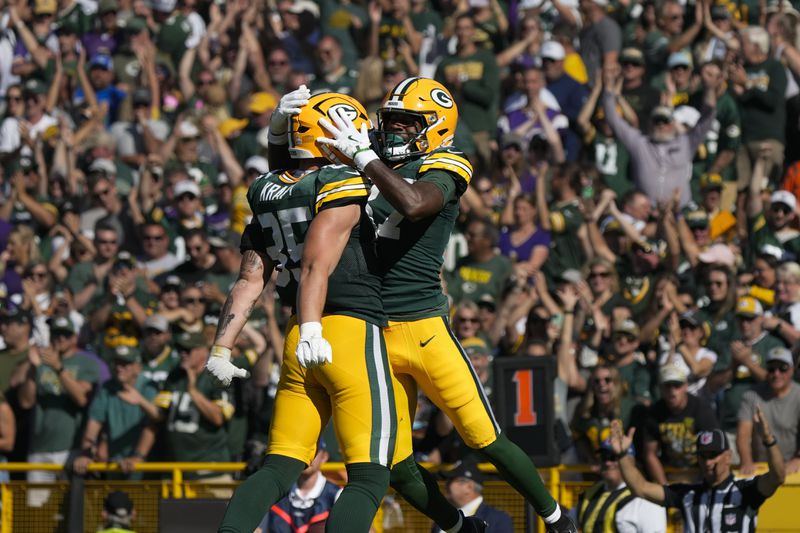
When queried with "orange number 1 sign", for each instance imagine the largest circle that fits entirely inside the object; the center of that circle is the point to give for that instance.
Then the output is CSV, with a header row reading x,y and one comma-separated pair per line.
x,y
524,415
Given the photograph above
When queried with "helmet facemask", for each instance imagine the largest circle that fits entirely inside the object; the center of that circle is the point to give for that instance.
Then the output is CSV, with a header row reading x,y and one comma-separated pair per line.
x,y
398,146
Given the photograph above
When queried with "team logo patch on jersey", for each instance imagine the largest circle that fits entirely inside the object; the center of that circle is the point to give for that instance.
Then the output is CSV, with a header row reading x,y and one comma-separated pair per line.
x,y
441,98
730,519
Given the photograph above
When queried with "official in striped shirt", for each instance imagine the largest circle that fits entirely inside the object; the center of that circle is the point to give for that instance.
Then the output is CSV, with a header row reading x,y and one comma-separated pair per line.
x,y
719,503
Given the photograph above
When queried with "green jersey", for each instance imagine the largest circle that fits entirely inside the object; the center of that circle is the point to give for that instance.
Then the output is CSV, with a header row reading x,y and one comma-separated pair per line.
x,y
762,235
283,204
58,420
725,134
158,368
743,380
612,161
412,253
123,422
189,435
566,251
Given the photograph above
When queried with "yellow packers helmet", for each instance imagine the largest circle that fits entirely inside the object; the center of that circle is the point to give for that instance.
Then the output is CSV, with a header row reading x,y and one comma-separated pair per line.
x,y
428,103
304,127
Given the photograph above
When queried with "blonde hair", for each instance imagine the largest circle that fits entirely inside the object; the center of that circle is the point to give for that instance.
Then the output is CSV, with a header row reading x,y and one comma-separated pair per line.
x,y
28,248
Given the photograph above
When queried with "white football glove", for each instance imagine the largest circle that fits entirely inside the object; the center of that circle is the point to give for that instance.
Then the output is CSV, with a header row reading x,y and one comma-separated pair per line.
x,y
220,366
313,350
288,105
351,142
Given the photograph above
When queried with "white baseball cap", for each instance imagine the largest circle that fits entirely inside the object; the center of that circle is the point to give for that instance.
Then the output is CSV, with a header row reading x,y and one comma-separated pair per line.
x,y
784,197
258,163
552,50
186,186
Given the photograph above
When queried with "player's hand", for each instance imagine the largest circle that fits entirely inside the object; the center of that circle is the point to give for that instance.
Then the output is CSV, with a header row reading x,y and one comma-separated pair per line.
x,y
220,366
352,142
313,350
288,106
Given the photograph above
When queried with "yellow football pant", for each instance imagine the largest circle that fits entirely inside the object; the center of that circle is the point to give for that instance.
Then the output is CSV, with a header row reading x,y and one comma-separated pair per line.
x,y
425,353
357,389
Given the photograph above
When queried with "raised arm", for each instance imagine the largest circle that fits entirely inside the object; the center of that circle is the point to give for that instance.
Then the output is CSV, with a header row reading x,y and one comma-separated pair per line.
x,y
755,206
639,486
414,201
629,135
768,483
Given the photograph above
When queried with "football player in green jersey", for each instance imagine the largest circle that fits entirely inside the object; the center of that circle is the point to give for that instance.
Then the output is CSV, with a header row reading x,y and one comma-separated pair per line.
x,y
310,224
418,180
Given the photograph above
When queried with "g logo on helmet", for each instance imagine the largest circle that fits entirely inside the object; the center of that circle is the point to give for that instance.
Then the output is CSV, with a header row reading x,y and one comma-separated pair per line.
x,y
349,111
441,98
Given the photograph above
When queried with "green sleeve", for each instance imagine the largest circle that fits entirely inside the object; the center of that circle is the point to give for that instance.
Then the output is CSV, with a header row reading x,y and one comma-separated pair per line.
x,y
485,90
641,382
79,277
445,182
99,406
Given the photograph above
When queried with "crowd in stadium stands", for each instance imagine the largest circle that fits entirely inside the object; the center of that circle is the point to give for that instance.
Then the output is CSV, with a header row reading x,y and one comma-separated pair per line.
x,y
633,213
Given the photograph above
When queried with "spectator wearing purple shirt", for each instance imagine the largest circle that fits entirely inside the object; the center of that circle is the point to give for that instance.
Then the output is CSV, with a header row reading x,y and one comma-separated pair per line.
x,y
520,239
525,121
105,38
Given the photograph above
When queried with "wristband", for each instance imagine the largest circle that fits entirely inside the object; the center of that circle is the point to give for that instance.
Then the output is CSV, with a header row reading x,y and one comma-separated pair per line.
x,y
364,157
771,443
310,329
221,351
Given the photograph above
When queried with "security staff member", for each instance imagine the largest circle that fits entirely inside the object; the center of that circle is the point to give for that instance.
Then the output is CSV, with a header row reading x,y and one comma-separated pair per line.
x,y
118,513
609,505
719,502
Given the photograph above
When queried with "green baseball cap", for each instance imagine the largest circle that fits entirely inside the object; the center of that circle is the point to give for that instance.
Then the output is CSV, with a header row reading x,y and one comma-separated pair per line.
x,y
129,354
62,324
34,86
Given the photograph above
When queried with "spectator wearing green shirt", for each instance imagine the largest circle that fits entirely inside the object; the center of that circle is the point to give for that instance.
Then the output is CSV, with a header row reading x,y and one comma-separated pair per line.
x,y
759,86
88,278
563,218
482,271
158,355
193,409
58,386
121,411
629,360
748,362
473,78
332,74
773,225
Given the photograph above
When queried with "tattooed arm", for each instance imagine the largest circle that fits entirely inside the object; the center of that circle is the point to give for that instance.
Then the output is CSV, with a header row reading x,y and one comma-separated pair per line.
x,y
254,273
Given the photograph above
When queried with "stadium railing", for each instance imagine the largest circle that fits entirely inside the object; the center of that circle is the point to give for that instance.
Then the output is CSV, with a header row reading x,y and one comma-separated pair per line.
x,y
164,481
